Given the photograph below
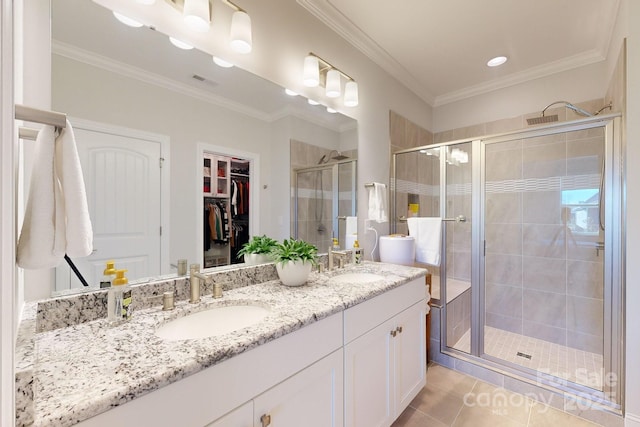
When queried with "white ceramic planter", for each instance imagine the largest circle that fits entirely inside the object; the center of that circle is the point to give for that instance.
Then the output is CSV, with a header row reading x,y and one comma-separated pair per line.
x,y
254,259
294,273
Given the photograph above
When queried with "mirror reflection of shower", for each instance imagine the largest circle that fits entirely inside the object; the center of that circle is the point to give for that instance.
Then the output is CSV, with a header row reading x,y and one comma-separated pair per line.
x,y
319,189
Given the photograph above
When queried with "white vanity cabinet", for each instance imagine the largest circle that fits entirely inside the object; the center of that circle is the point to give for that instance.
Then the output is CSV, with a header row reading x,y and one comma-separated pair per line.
x,y
312,397
385,366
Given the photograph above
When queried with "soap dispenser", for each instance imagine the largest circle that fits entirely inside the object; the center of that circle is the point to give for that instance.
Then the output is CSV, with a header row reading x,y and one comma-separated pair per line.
x,y
119,299
108,275
357,253
336,245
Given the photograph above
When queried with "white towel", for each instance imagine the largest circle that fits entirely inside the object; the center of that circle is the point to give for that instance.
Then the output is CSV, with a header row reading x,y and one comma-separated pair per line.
x,y
377,202
428,234
56,219
351,225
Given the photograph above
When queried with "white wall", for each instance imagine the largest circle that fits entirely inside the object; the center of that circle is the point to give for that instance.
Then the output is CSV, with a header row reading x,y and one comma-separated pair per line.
x,y
577,85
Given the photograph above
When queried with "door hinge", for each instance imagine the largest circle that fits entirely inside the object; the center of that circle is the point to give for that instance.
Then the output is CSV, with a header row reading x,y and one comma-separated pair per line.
x,y
161,161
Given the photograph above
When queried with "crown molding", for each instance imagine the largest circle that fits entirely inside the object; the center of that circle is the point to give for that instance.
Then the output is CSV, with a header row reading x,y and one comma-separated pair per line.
x,y
334,19
534,73
90,58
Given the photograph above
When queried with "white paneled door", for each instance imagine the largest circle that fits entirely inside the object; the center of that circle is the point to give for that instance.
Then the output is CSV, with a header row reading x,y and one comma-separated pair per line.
x,y
122,173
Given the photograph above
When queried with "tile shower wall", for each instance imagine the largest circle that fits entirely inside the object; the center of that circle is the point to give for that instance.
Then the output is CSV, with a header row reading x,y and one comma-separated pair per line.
x,y
314,216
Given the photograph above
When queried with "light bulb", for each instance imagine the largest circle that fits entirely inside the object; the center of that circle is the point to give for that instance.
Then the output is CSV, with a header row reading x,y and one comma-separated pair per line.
x,y
127,21
240,39
311,72
180,44
351,94
196,15
333,84
222,63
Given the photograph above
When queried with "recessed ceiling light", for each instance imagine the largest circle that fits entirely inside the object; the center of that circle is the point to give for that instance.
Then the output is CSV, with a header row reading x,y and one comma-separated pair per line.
x,y
180,44
290,92
127,21
222,63
498,60
312,102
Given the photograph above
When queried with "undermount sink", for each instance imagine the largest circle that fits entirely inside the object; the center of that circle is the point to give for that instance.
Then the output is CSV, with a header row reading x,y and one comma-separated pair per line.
x,y
356,278
212,322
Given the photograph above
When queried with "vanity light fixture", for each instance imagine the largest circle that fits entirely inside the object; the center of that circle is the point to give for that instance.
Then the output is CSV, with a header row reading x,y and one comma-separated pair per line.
x,y
197,15
318,72
498,60
290,92
127,21
222,63
180,44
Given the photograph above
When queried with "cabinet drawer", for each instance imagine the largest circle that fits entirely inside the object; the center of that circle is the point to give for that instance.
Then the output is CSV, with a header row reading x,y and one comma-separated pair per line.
x,y
365,316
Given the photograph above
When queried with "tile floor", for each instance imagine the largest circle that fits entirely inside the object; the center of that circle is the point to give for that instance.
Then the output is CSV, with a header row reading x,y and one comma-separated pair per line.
x,y
568,363
451,398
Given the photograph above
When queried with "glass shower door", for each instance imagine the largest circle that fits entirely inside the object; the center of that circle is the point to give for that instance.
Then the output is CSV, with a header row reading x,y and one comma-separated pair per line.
x,y
313,200
457,220
544,262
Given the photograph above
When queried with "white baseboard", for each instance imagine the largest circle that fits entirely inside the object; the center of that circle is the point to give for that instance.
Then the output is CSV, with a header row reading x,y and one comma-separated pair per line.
x,y
631,420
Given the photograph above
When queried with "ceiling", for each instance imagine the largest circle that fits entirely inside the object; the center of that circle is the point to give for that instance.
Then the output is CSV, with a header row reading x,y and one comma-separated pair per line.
x,y
439,48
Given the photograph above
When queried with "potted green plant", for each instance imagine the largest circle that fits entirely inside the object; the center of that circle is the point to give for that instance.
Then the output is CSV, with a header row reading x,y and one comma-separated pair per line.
x,y
294,260
258,250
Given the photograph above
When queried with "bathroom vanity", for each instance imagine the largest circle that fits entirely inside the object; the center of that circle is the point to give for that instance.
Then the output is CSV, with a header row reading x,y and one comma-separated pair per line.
x,y
347,349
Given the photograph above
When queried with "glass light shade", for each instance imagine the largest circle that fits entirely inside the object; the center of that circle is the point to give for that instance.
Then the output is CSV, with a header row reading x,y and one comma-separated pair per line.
x,y
311,71
333,84
180,44
312,102
240,39
222,63
126,20
351,94
196,15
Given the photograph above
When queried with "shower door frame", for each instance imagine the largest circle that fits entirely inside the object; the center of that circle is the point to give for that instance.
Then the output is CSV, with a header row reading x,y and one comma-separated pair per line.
x,y
334,167
614,278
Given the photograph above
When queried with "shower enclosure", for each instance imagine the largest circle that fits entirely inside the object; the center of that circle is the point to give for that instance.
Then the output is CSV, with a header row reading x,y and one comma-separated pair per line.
x,y
530,280
323,196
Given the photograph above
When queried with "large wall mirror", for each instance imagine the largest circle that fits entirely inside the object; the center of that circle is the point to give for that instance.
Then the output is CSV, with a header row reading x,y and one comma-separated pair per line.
x,y
132,82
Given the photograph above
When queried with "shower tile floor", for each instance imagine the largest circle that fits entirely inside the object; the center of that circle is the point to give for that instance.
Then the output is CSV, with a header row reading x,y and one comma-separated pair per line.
x,y
549,359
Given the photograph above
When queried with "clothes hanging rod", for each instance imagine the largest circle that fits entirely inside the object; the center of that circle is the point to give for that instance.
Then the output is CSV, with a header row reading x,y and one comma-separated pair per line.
x,y
459,218
29,114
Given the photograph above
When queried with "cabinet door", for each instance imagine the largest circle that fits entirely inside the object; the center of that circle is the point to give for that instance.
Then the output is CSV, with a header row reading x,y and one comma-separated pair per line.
x,y
239,417
410,356
368,378
311,398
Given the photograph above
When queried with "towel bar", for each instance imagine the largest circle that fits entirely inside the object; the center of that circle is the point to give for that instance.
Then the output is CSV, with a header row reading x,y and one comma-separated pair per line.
x,y
459,218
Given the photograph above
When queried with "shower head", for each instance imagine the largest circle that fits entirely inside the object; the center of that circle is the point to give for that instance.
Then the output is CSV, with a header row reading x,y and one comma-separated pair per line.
x,y
542,119
554,118
338,156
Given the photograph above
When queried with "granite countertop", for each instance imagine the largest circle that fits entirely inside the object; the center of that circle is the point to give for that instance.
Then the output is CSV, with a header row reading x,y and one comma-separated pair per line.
x,y
82,370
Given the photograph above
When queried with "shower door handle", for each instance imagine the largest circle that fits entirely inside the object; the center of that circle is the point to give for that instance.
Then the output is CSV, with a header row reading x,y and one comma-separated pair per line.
x,y
599,247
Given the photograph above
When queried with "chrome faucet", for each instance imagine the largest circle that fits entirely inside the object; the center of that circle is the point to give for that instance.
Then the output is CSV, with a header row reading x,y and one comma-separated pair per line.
x,y
194,280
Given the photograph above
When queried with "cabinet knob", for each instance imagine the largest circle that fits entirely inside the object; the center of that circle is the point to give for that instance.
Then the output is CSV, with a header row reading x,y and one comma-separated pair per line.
x,y
394,332
265,420
399,329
